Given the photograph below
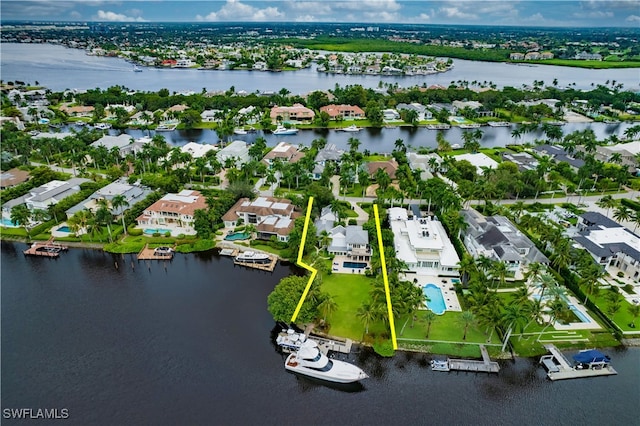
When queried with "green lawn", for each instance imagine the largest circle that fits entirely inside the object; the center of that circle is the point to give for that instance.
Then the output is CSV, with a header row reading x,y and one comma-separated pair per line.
x,y
349,292
446,327
622,318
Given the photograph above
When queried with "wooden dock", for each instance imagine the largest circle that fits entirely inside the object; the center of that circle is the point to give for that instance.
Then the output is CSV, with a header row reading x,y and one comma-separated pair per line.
x,y
325,344
262,266
151,254
484,366
46,249
229,252
559,368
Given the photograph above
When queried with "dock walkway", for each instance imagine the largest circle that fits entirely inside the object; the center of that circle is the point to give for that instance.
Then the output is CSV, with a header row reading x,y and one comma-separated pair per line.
x,y
484,366
45,249
262,266
151,254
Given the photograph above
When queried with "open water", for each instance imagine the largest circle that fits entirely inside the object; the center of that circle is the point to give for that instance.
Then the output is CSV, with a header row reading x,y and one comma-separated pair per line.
x,y
188,342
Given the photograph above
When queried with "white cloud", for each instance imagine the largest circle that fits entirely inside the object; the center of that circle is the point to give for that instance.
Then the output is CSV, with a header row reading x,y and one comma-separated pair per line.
x,y
633,18
117,17
455,12
75,15
598,14
384,5
235,10
382,16
611,4
306,18
318,8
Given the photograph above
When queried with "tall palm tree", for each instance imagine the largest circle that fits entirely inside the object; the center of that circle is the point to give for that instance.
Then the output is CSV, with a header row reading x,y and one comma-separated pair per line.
x,y
20,216
606,202
120,201
622,213
467,318
327,307
634,310
429,317
367,315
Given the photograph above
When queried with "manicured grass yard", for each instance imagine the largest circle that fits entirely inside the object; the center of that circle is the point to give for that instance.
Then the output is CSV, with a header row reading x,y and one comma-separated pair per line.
x,y
349,292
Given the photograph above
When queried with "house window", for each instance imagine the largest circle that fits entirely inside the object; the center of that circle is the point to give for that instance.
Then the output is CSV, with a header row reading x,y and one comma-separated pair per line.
x,y
252,218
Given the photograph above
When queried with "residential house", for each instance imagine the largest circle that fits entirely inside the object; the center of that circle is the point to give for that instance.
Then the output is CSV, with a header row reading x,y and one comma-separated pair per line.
x,y
211,115
474,105
532,56
124,143
426,163
497,238
13,177
609,243
523,160
347,112
297,112
173,213
197,150
42,197
516,56
390,114
110,110
628,154
78,110
584,56
423,112
558,154
272,217
236,150
389,166
351,241
284,152
422,244
326,221
131,192
330,153
479,160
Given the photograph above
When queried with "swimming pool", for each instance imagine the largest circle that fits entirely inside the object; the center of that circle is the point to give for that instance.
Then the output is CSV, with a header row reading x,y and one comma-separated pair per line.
x,y
354,265
582,317
238,236
63,229
435,300
156,231
458,119
7,223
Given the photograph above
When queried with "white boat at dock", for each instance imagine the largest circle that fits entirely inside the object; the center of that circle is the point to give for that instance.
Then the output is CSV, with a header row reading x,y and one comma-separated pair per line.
x,y
499,123
102,126
588,363
440,126
353,128
137,68
239,131
253,257
281,130
469,126
310,361
440,365
290,340
165,128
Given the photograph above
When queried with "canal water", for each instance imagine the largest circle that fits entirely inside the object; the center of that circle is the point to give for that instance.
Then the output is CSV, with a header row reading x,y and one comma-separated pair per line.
x,y
188,342
60,68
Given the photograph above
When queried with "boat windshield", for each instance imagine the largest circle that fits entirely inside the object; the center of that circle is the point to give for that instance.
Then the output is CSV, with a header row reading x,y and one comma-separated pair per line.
x,y
325,368
316,358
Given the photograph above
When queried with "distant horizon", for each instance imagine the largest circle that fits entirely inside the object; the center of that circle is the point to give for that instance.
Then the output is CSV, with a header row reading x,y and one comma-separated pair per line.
x,y
500,13
266,23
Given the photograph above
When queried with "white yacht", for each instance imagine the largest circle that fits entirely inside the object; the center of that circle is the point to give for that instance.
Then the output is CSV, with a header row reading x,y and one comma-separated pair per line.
x,y
102,126
499,123
310,361
252,257
137,68
239,131
353,128
281,130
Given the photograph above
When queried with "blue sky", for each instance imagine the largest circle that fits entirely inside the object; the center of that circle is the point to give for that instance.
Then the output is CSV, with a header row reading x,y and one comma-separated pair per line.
x,y
615,13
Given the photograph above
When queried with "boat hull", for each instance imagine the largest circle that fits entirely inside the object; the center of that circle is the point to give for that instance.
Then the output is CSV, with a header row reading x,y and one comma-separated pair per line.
x,y
340,372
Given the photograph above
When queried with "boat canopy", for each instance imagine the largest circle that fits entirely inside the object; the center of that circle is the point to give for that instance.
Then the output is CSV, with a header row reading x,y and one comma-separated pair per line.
x,y
590,356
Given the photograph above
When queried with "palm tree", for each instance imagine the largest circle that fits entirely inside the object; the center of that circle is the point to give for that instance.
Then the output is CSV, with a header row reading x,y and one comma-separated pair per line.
x,y
622,213
20,216
120,201
429,317
591,280
634,310
467,318
514,318
367,315
498,272
606,202
327,307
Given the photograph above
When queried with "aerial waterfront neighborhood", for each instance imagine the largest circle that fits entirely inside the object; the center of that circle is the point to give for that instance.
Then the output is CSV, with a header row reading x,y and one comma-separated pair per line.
x,y
450,226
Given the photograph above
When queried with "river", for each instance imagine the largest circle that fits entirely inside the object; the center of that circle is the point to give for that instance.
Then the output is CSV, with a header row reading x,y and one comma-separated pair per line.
x,y
60,68
189,342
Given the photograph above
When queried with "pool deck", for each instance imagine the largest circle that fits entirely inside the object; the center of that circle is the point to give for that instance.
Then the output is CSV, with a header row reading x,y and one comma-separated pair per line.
x,y
444,284
338,268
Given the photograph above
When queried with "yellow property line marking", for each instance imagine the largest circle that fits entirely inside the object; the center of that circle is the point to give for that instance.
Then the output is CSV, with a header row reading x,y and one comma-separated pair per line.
x,y
383,264
304,265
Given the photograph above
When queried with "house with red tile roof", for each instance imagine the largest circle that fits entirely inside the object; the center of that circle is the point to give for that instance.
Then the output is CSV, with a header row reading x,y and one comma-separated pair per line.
x,y
271,216
284,152
344,111
173,213
389,166
297,112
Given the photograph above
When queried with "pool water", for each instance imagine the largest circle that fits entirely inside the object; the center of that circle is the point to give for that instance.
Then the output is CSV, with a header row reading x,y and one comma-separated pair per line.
x,y
7,223
435,300
354,265
63,229
579,314
238,236
156,231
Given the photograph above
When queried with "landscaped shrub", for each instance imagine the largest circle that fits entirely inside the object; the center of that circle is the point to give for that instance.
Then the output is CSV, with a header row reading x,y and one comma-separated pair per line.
x,y
167,234
156,234
134,232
